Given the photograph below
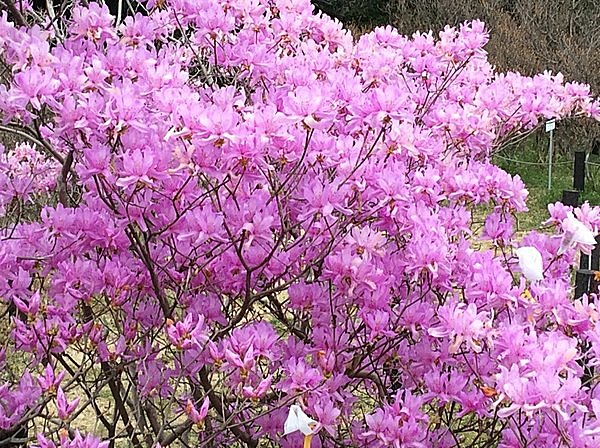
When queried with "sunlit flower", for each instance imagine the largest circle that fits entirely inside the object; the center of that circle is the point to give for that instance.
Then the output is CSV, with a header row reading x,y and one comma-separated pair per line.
x,y
530,263
297,420
576,233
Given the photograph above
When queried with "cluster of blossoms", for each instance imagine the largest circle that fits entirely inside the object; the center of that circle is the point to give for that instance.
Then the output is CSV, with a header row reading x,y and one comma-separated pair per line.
x,y
274,240
25,172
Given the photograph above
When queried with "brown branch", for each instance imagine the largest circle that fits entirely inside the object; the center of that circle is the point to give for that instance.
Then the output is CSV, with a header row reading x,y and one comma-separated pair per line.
x,y
21,132
62,180
177,432
216,403
144,253
15,13
115,388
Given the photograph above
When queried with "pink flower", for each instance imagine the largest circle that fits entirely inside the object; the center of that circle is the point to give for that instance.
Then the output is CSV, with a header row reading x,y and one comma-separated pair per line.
x,y
576,234
256,393
462,323
191,332
327,415
300,377
195,415
65,408
138,166
49,382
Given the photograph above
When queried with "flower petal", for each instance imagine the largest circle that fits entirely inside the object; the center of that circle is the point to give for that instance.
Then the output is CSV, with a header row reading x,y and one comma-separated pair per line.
x,y
291,423
297,420
531,263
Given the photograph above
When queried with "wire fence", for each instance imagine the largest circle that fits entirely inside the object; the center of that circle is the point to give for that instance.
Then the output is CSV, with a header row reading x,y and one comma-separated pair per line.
x,y
590,170
526,162
554,163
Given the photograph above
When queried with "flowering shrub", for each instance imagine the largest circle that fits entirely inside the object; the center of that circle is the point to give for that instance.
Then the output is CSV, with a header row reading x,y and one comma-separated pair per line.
x,y
256,213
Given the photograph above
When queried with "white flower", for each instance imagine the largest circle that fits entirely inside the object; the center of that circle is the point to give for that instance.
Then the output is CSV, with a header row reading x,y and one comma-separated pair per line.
x,y
530,262
297,420
575,232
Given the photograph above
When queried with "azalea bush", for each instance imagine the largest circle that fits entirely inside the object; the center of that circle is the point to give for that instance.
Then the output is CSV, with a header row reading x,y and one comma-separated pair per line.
x,y
232,223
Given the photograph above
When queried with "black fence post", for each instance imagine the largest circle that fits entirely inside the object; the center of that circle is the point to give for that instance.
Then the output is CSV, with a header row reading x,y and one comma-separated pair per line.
x,y
585,282
595,266
570,197
579,171
582,281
